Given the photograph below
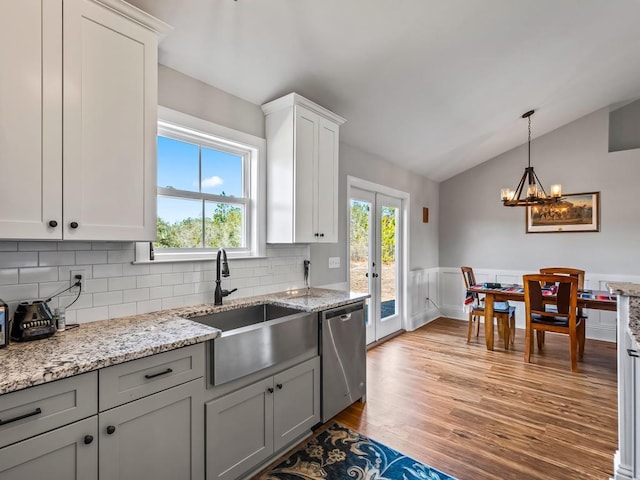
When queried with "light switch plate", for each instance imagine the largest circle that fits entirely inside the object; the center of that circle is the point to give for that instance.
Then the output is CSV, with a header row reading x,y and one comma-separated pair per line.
x,y
334,262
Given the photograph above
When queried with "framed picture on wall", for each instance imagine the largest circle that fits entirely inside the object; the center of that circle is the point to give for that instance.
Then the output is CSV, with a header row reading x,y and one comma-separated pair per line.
x,y
575,212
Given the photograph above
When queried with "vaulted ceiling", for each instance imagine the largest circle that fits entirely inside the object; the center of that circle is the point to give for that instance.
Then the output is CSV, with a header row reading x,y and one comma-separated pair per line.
x,y
437,86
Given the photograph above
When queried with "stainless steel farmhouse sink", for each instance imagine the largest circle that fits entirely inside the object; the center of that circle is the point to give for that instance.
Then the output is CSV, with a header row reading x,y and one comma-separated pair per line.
x,y
258,337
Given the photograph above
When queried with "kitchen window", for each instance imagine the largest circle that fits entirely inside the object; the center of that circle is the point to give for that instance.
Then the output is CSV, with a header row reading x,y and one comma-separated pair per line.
x,y
210,181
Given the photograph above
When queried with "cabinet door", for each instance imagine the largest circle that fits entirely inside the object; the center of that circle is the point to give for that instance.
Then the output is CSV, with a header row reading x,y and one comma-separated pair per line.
x,y
66,453
239,430
327,181
296,403
159,437
30,119
109,125
306,148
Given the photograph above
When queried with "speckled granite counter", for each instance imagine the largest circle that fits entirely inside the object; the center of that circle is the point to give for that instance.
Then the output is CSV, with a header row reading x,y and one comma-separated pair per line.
x,y
101,344
631,290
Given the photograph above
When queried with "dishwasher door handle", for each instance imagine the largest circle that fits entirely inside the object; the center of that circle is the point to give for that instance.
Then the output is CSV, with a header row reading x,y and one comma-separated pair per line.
x,y
345,317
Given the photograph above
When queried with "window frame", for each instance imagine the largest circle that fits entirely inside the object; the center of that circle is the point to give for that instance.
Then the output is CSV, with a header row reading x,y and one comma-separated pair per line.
x,y
187,128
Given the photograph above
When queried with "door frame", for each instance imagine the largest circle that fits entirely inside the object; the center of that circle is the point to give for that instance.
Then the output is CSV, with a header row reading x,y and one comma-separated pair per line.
x,y
404,254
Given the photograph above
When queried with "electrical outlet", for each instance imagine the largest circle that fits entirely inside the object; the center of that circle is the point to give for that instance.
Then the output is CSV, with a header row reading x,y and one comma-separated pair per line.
x,y
74,274
334,262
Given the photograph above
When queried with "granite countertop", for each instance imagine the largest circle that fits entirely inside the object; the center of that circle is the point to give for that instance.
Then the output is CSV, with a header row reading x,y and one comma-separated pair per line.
x,y
632,290
100,344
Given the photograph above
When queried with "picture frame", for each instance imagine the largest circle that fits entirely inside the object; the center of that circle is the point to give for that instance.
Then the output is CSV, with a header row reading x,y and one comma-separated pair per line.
x,y
575,212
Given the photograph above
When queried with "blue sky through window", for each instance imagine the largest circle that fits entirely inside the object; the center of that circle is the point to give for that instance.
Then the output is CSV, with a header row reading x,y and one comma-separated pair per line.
x,y
178,168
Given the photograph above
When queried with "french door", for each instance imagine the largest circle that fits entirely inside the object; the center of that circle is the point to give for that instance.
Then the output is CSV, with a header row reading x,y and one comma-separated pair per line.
x,y
374,258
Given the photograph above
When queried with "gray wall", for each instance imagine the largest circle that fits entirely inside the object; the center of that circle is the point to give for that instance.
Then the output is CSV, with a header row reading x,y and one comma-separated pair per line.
x,y
188,95
476,230
424,193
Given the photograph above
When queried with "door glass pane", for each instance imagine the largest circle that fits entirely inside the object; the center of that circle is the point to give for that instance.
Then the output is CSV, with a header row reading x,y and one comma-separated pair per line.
x,y
178,165
221,173
224,225
359,237
388,271
179,223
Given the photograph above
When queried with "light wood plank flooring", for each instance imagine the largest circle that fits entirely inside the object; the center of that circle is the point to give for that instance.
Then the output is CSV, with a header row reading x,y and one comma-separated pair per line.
x,y
480,415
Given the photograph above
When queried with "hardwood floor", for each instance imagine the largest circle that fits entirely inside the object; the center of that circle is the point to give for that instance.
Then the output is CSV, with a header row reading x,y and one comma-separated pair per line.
x,y
476,414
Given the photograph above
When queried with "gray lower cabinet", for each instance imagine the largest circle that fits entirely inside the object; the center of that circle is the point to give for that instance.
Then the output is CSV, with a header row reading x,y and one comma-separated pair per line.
x,y
66,453
159,436
246,427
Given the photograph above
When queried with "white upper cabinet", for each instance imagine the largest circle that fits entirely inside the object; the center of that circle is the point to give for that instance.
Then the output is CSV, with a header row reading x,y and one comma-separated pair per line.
x,y
302,171
31,119
82,156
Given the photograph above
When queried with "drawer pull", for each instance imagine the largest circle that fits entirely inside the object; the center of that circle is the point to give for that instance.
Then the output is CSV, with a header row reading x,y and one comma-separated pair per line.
x,y
37,411
154,375
632,353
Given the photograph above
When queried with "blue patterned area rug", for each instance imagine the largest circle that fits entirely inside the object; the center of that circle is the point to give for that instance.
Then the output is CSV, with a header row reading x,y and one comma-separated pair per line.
x,y
339,453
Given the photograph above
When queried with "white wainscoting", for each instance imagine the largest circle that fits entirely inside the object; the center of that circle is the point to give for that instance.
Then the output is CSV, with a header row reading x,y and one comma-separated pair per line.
x,y
423,292
601,325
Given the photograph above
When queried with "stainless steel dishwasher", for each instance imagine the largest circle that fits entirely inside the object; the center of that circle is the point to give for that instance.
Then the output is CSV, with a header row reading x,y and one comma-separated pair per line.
x,y
343,350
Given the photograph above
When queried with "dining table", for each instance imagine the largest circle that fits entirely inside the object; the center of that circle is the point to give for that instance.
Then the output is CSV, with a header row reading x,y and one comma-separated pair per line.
x,y
593,299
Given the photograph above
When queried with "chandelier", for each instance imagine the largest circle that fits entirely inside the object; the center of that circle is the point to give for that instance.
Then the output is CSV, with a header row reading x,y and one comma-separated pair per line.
x,y
535,193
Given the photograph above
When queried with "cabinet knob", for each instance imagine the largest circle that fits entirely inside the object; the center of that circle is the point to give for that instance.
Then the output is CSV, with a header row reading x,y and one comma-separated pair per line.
x,y
279,386
111,429
73,224
270,390
53,223
88,439
322,234
316,234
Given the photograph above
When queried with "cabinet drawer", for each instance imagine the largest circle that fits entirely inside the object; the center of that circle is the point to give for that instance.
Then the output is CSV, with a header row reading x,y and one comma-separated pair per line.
x,y
38,409
129,381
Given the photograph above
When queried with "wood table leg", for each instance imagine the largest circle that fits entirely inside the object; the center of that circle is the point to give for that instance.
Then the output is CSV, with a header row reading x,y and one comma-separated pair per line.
x,y
488,320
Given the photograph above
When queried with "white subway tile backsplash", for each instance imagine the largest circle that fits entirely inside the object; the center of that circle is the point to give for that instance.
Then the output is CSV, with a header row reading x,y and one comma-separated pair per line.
x,y
160,292
92,314
172,278
18,293
47,259
107,270
112,286
95,285
172,302
149,281
8,246
18,259
74,246
160,268
91,257
37,246
121,256
8,276
122,283
149,306
122,310
135,295
107,298
38,274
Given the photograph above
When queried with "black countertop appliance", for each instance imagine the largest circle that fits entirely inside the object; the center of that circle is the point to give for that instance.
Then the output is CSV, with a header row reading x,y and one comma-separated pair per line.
x,y
32,321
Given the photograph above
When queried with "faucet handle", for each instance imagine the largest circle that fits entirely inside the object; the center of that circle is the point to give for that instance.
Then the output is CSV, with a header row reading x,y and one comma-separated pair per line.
x,y
226,293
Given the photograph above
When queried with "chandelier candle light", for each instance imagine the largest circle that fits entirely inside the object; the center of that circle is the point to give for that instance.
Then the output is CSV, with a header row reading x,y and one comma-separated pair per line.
x,y
536,195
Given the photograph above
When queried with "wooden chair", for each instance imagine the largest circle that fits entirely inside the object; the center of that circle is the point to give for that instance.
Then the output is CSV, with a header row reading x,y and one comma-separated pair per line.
x,y
506,317
579,274
564,320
